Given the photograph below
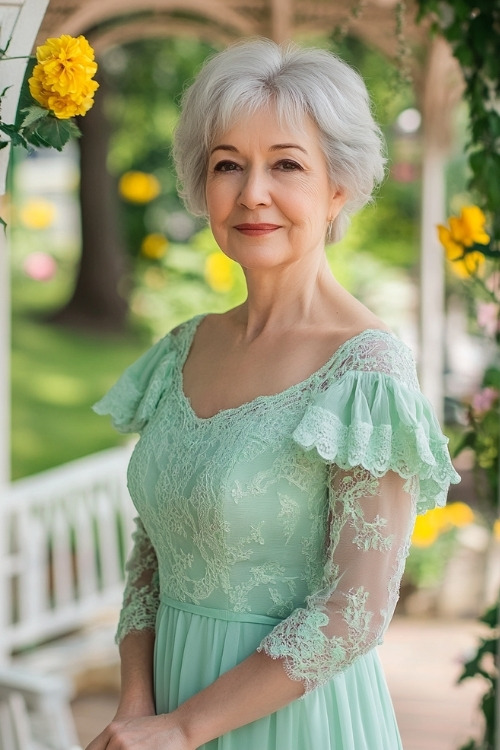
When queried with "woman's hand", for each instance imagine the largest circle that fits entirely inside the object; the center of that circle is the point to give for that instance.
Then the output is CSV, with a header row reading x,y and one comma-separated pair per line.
x,y
142,733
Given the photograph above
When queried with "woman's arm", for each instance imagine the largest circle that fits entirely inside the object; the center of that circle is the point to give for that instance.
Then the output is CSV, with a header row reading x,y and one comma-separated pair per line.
x,y
136,657
135,635
255,688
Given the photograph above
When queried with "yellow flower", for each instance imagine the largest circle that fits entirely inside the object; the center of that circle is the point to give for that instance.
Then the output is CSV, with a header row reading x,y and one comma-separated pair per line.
x,y
219,272
139,187
154,246
62,79
426,530
464,231
470,226
459,514
469,265
453,249
37,213
496,530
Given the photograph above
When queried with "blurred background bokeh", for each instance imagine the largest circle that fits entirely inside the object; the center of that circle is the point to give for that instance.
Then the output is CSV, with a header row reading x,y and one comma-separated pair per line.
x,y
104,260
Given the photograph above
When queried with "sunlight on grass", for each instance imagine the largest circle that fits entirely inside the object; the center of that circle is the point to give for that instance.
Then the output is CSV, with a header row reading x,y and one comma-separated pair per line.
x,y
57,375
59,389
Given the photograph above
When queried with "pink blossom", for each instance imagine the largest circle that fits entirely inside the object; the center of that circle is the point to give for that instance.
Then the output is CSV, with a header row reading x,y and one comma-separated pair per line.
x,y
488,317
484,399
40,266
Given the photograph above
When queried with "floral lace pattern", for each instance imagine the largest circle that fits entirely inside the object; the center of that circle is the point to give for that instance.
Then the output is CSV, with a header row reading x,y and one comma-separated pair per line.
x,y
297,506
142,593
368,543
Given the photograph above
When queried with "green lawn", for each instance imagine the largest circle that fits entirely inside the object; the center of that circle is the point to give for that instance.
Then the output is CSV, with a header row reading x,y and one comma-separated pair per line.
x,y
57,374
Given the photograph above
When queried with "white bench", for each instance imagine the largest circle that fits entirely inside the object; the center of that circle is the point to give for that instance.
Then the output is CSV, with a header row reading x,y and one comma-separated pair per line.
x,y
64,538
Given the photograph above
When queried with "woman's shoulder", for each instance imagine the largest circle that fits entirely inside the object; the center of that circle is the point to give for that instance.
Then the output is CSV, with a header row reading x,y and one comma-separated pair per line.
x,y
376,350
132,400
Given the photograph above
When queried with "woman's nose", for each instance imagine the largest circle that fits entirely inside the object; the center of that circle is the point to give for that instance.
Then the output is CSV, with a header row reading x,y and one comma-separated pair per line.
x,y
255,189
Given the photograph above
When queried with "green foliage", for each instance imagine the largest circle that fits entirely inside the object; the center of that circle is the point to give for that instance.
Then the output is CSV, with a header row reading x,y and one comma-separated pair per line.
x,y
173,289
425,566
483,664
40,128
482,437
471,28
143,82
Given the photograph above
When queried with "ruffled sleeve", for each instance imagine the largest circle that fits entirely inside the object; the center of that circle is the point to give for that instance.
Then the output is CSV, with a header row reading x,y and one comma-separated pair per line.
x,y
133,399
387,460
380,420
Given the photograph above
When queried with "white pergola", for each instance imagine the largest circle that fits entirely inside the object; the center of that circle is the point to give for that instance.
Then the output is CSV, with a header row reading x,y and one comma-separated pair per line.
x,y
437,81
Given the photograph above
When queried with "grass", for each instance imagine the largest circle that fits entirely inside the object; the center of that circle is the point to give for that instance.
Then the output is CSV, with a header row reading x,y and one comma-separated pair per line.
x,y
57,374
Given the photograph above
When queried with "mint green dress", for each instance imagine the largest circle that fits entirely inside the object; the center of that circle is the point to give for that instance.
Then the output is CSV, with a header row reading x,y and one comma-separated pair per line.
x,y
281,525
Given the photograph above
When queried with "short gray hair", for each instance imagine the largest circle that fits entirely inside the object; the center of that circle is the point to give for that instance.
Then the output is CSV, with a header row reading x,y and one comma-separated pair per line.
x,y
250,75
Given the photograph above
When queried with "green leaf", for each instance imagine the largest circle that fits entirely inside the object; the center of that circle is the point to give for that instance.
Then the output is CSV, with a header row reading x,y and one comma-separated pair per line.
x,y
467,440
3,224
25,98
16,138
33,114
51,132
491,617
34,138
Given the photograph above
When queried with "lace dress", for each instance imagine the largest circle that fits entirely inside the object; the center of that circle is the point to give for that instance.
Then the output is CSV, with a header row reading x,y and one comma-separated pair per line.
x,y
281,525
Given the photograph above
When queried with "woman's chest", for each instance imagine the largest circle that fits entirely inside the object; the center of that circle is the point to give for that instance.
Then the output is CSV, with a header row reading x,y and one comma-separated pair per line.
x,y
233,474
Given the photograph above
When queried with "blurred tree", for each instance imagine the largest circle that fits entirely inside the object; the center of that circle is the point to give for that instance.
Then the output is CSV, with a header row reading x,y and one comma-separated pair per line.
x,y
130,127
97,301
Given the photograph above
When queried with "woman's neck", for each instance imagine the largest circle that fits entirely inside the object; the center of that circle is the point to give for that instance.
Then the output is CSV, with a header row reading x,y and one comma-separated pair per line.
x,y
287,298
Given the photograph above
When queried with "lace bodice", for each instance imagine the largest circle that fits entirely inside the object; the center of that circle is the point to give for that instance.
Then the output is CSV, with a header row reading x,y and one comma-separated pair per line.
x,y
298,506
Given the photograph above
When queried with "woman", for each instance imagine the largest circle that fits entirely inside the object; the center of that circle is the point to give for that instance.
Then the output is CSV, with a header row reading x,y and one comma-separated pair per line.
x,y
285,446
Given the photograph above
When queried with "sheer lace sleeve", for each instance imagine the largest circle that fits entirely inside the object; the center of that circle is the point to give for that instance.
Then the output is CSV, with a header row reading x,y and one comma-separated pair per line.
x,y
370,523
141,596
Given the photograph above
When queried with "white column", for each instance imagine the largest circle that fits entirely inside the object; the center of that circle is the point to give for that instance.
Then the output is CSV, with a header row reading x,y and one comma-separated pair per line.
x,y
432,324
442,87
19,24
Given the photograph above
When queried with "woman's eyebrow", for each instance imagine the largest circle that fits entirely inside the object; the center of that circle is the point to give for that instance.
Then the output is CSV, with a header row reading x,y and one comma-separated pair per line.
x,y
276,147
224,147
283,146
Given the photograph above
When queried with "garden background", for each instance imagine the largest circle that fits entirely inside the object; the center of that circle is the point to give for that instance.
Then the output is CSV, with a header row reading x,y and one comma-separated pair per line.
x,y
99,274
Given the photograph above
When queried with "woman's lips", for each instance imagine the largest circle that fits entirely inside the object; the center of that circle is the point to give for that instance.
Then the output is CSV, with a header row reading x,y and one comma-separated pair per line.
x,y
254,230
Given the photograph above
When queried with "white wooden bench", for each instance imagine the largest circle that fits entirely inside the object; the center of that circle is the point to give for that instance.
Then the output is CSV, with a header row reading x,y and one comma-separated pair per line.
x,y
64,538
34,712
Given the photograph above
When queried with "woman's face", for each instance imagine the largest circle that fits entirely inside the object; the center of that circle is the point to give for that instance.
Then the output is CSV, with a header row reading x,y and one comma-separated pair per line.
x,y
268,194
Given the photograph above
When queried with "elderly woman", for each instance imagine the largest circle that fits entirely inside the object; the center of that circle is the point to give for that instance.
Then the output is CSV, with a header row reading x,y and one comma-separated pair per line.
x,y
285,446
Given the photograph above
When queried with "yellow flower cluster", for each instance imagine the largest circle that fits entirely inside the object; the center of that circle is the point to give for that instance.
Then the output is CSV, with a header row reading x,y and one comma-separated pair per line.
x,y
439,520
62,78
139,187
464,232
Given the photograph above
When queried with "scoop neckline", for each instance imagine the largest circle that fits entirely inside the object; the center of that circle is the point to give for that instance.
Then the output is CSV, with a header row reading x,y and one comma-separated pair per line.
x,y
264,398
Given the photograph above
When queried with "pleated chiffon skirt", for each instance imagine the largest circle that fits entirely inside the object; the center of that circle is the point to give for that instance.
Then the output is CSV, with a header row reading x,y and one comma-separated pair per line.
x,y
195,645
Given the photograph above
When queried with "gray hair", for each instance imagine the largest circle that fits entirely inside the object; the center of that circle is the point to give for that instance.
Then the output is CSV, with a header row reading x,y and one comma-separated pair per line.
x,y
296,82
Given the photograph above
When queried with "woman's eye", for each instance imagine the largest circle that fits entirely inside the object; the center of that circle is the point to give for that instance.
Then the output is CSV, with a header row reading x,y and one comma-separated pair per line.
x,y
226,166
287,165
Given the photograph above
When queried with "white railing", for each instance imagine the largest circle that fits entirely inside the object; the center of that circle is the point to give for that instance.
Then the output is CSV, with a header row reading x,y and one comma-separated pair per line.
x,y
64,537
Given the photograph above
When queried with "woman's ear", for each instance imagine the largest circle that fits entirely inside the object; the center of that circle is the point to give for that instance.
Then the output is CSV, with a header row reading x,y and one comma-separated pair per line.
x,y
337,200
